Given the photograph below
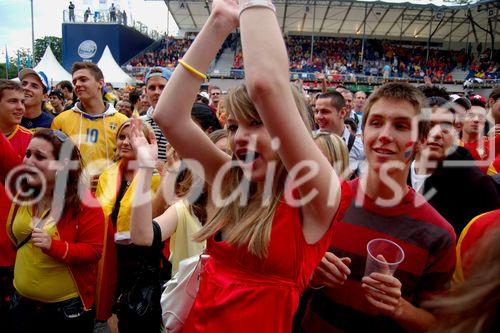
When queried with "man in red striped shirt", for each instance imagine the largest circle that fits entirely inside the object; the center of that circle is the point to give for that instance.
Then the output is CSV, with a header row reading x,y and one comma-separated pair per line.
x,y
385,207
11,113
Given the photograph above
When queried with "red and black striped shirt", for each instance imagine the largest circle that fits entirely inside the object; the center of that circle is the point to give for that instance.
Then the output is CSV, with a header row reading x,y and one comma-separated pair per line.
x,y
427,239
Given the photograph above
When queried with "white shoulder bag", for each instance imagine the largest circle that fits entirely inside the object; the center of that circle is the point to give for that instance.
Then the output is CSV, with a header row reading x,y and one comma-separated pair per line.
x,y
180,292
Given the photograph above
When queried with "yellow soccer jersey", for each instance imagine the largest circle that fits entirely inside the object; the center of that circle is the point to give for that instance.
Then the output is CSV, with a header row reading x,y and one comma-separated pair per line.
x,y
95,135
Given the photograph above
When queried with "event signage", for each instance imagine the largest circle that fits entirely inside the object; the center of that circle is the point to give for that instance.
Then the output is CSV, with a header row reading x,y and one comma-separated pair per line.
x,y
87,49
87,41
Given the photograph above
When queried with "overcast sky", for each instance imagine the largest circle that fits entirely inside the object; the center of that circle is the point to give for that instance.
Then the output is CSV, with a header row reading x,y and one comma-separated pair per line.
x,y
15,18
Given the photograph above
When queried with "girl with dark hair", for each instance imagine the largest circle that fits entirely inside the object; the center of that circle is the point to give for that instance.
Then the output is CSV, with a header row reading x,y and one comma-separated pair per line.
x,y
58,238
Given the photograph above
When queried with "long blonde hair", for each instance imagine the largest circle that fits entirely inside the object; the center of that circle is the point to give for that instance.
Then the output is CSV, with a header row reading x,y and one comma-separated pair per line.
x,y
250,225
335,150
473,306
145,130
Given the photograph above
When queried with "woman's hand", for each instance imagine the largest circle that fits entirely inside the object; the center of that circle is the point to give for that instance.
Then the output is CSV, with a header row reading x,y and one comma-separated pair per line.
x,y
146,153
383,292
41,238
172,158
228,10
332,271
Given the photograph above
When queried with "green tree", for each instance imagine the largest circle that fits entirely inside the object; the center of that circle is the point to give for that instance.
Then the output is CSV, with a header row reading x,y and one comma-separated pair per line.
x,y
12,69
42,43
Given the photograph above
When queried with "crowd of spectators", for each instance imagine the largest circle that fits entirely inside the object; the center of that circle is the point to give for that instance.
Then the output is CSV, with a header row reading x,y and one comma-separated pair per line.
x,y
335,56
165,54
340,56
483,68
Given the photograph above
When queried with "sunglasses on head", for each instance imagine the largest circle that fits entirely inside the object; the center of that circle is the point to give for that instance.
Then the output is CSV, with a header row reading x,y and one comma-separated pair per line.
x,y
60,135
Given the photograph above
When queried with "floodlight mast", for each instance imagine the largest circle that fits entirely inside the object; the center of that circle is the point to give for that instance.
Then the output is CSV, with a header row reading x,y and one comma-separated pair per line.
x,y
32,36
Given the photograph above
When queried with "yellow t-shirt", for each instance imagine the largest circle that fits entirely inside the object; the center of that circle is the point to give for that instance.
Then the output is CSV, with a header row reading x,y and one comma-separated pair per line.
x,y
182,245
107,191
37,275
95,136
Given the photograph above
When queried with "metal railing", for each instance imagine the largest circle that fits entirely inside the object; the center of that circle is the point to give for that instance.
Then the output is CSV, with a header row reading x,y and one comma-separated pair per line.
x,y
365,79
336,78
106,16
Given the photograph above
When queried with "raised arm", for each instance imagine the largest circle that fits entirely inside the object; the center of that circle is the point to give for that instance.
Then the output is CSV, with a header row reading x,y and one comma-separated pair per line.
x,y
267,79
141,229
173,112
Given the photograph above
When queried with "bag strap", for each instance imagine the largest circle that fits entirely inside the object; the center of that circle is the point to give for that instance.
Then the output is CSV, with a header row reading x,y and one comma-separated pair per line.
x,y
156,235
26,240
157,243
350,142
11,218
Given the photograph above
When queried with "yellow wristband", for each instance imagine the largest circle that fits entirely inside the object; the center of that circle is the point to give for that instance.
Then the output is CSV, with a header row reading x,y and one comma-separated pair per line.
x,y
191,69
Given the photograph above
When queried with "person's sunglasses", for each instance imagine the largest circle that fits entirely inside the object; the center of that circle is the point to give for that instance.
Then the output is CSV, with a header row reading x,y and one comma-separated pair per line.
x,y
60,135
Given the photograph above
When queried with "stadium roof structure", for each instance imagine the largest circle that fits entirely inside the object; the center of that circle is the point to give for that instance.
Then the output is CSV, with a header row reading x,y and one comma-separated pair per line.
x,y
444,20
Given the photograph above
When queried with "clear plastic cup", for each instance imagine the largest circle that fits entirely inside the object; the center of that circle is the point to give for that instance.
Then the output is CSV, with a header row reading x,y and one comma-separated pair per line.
x,y
384,256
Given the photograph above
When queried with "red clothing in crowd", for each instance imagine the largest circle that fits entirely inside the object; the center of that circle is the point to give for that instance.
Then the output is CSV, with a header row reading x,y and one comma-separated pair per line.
x,y
497,144
427,240
479,152
19,140
241,292
81,238
479,227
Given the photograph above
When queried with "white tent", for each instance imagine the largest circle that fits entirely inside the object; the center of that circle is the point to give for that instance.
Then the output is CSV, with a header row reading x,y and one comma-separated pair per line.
x,y
112,71
51,67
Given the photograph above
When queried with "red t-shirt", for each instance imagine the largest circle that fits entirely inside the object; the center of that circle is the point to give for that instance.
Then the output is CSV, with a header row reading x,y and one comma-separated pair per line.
x,y
427,240
479,152
19,140
471,235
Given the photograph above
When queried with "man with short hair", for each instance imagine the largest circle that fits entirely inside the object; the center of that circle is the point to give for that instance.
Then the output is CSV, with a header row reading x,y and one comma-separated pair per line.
x,y
156,80
457,192
36,86
383,206
56,98
71,9
347,97
67,89
112,13
461,105
329,114
86,15
215,95
357,109
125,107
473,131
204,98
11,113
91,123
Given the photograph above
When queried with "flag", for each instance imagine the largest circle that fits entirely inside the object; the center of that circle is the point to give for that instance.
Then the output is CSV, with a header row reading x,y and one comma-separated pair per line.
x,y
7,61
28,61
18,62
